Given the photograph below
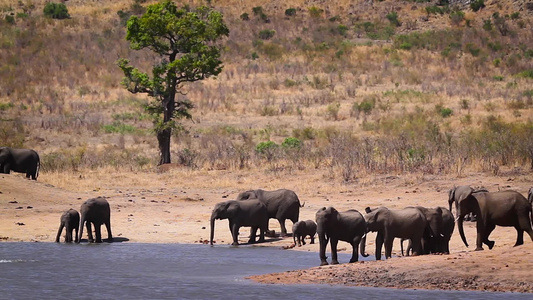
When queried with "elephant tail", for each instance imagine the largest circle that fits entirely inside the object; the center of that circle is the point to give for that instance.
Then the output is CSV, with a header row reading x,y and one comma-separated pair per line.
x,y
302,205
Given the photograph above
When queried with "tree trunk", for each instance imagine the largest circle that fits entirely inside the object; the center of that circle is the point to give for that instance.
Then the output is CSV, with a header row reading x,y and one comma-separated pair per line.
x,y
163,137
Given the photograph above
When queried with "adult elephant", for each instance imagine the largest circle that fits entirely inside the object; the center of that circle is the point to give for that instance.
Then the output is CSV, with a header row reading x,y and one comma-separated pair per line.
x,y
97,212
70,220
505,208
408,223
438,232
19,160
251,213
281,204
333,226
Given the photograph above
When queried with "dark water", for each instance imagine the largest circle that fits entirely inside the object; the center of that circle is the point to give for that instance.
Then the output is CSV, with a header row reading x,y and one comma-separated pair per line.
x,y
174,271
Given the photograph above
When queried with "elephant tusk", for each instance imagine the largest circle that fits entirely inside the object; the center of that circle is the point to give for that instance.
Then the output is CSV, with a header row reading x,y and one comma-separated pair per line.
x,y
441,235
456,219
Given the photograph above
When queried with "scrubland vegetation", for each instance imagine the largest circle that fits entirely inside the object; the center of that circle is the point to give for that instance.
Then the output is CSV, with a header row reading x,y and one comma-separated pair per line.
x,y
349,87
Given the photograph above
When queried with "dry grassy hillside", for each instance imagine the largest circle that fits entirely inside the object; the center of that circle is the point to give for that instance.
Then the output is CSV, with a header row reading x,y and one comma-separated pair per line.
x,y
351,88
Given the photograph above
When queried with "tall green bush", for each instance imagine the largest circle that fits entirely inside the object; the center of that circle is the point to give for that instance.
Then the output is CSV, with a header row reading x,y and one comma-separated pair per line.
x,y
56,11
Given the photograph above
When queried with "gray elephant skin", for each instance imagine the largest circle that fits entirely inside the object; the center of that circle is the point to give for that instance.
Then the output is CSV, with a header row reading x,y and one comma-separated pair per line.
x,y
301,229
251,213
334,226
20,161
97,212
70,221
408,223
438,232
281,204
504,208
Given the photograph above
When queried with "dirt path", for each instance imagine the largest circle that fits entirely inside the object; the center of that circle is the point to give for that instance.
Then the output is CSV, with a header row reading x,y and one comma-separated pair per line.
x,y
158,208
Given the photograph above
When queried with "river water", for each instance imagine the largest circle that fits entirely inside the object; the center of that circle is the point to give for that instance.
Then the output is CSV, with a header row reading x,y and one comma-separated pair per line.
x,y
175,271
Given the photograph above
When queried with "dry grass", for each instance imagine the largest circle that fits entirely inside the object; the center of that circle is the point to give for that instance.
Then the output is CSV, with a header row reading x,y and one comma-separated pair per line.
x,y
62,83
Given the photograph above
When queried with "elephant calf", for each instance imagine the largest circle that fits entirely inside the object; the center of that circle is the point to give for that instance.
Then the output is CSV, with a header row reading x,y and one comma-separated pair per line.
x,y
301,229
70,221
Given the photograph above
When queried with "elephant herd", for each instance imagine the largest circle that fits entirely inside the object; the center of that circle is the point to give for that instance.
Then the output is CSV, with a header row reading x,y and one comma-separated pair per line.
x,y
428,230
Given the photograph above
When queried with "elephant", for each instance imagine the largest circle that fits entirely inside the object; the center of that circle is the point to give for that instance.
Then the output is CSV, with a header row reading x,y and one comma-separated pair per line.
x,y
530,196
96,211
408,223
334,226
504,208
70,220
281,204
19,160
440,226
301,229
251,213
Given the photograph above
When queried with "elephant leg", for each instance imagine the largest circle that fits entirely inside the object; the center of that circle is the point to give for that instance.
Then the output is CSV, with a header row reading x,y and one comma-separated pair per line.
x,y
379,245
89,231
253,234
416,248
323,242
334,260
525,225
68,237
98,232
355,249
488,230
235,234
303,238
388,247
76,237
109,234
480,227
299,239
282,225
312,239
261,234
519,236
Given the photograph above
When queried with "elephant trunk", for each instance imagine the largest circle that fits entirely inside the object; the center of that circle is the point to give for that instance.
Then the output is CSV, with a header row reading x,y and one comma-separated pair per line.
x,y
362,246
212,235
460,221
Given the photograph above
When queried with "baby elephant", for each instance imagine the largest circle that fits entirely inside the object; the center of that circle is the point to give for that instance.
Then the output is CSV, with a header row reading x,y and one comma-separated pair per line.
x,y
301,229
70,221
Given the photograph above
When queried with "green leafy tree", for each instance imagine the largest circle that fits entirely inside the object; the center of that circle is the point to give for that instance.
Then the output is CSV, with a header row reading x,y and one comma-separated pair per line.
x,y
184,38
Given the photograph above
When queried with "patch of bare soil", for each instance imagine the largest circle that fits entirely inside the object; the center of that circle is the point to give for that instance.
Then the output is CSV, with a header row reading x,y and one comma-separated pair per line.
x,y
499,270
175,207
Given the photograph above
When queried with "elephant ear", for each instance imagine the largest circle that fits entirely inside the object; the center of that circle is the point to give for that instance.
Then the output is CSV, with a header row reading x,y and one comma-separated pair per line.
x,y
439,210
463,192
232,208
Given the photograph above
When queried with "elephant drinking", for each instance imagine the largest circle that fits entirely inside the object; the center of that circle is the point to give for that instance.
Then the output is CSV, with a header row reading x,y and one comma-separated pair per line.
x,y
251,213
70,220
97,212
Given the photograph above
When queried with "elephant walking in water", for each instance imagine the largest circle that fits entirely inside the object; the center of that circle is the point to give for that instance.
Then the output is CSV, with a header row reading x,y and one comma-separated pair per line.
x,y
19,160
505,208
97,212
251,213
333,226
281,204
70,220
